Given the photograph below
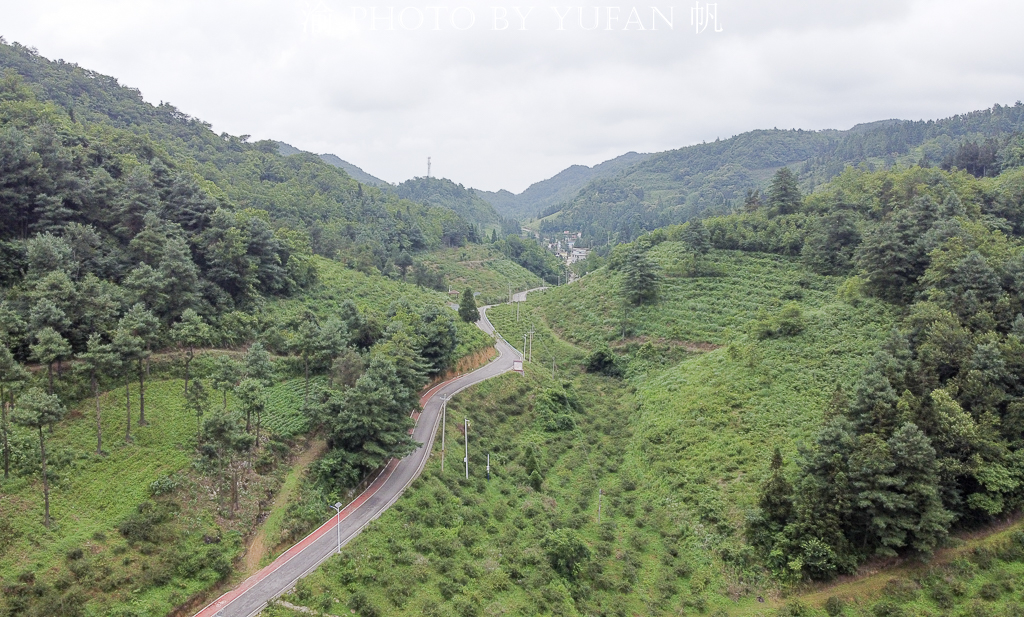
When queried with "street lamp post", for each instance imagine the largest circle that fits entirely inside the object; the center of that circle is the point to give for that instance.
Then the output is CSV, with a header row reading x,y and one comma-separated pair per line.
x,y
338,508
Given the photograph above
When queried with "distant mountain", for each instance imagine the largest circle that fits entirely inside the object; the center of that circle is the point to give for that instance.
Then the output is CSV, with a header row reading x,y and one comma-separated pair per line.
x,y
442,192
714,178
557,189
355,172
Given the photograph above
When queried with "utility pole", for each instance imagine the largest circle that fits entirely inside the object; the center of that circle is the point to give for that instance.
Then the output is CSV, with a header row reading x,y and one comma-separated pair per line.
x,y
444,414
552,367
338,507
531,342
428,166
488,465
517,312
467,448
524,348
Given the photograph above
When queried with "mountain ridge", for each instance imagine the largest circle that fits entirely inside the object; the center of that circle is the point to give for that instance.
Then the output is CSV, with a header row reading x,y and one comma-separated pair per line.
x,y
334,160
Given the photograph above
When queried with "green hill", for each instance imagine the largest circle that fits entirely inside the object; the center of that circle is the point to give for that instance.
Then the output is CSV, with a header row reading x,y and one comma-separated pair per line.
x,y
558,189
676,451
888,391
133,235
355,172
443,193
714,178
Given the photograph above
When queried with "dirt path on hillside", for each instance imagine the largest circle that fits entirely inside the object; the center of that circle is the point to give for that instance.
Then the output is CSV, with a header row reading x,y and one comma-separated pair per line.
x,y
258,547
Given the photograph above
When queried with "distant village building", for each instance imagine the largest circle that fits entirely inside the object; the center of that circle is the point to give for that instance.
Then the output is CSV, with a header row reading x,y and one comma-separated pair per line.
x,y
577,255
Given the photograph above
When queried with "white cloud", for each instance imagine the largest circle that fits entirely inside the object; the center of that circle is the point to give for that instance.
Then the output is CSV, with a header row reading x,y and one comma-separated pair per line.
x,y
502,109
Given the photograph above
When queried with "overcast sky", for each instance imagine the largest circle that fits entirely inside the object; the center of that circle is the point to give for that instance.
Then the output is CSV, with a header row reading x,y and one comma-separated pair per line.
x,y
501,103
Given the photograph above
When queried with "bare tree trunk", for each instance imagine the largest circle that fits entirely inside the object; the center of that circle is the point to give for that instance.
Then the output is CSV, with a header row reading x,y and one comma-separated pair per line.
x,y
234,486
46,484
49,374
128,409
188,360
99,424
142,396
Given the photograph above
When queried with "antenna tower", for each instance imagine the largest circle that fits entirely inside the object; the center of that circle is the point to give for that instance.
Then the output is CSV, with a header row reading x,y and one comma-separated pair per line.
x,y
428,166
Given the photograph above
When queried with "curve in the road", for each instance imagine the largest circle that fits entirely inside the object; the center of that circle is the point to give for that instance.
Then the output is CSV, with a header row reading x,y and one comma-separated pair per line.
x,y
254,593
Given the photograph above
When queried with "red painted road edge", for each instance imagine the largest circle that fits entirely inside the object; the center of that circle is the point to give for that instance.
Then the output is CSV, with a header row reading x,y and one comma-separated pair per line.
x,y
212,608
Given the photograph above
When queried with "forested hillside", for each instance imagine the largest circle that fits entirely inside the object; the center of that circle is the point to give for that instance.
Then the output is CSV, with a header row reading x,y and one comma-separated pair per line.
x,y
557,189
716,178
355,172
467,203
180,313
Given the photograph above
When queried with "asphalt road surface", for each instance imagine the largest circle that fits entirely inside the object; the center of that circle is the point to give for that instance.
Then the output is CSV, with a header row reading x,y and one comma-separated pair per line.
x,y
254,593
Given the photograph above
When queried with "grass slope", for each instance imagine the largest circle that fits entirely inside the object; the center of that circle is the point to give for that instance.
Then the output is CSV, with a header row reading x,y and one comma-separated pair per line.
x,y
677,450
713,398
373,294
92,495
452,546
483,269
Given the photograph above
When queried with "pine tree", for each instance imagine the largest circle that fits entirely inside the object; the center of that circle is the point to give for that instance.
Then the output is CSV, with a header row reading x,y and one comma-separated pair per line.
x,y
776,500
197,401
226,373
144,326
696,237
50,347
253,401
403,262
318,345
225,441
128,348
180,279
784,194
898,492
640,277
35,410
370,421
258,365
816,541
439,338
191,332
12,375
468,311
146,286
98,360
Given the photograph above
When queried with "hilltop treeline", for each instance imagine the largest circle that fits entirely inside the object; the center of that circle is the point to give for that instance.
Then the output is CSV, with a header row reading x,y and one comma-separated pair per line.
x,y
714,178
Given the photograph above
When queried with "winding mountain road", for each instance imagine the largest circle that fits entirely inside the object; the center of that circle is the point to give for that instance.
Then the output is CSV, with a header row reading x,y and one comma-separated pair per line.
x,y
254,593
